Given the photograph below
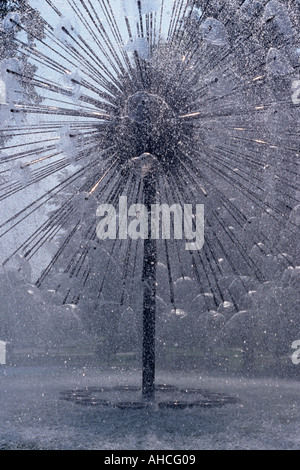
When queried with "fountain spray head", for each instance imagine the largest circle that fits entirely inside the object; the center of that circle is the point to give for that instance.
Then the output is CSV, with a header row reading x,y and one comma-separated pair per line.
x,y
147,109
146,165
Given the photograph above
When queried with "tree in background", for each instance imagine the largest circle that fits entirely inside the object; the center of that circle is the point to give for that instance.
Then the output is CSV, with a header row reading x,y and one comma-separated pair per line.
x,y
7,6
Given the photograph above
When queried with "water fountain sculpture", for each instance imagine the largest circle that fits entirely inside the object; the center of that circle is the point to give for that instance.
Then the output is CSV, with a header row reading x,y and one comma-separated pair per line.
x,y
183,101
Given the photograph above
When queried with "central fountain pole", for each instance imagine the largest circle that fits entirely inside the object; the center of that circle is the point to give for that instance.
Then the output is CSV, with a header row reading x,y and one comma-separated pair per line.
x,y
149,307
142,110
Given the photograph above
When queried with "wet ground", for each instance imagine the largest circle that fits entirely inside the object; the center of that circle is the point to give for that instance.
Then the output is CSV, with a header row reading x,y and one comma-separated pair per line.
x,y
264,413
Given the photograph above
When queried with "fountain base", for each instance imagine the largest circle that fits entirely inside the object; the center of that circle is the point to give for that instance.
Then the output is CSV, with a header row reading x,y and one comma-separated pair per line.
x,y
129,397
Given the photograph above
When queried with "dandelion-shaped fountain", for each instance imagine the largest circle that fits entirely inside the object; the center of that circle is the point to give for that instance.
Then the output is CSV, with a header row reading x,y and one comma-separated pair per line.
x,y
184,101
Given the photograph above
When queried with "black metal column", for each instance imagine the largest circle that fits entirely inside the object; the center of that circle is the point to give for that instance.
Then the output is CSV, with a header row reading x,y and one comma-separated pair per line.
x,y
149,280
